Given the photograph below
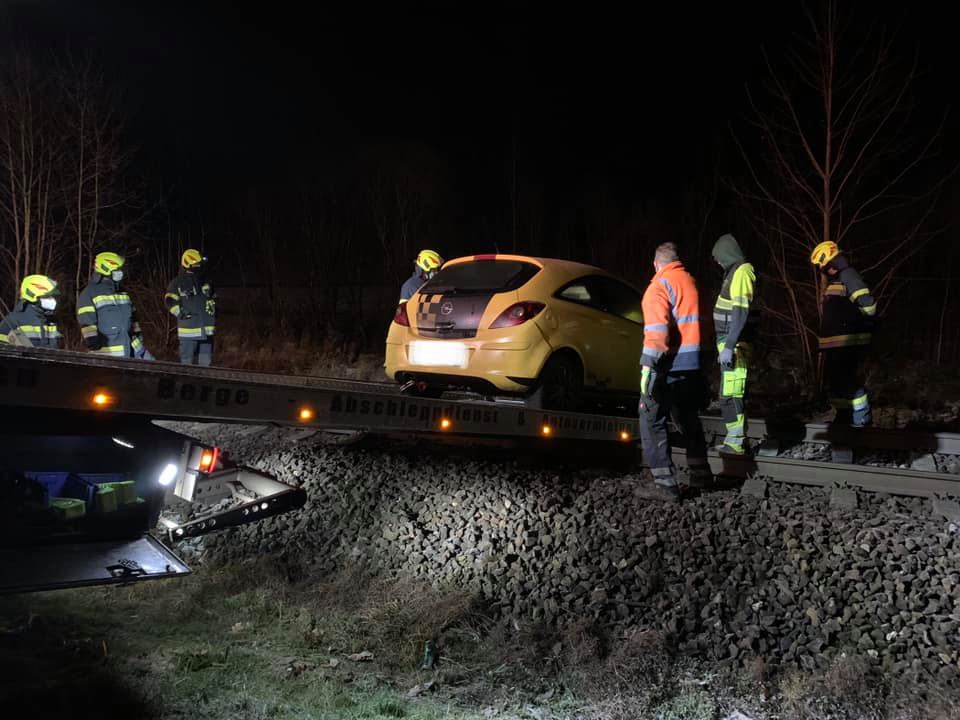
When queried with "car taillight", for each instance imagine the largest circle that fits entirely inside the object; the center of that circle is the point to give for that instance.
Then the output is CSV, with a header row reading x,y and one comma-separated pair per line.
x,y
400,317
517,314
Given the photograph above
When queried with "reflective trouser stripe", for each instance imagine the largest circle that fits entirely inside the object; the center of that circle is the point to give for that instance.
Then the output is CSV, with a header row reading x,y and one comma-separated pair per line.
x,y
208,329
190,332
732,389
89,331
113,350
663,476
860,402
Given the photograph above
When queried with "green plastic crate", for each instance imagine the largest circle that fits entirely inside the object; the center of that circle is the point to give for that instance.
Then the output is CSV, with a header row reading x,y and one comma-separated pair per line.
x,y
105,500
125,491
68,508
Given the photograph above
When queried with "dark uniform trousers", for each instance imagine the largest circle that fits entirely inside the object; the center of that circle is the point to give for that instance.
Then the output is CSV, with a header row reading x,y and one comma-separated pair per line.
x,y
843,371
196,352
679,393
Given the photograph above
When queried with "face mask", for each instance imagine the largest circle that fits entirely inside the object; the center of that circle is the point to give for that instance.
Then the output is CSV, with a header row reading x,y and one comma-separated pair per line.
x,y
48,303
117,275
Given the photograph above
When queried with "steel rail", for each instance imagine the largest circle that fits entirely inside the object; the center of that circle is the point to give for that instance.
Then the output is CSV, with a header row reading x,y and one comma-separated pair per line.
x,y
895,481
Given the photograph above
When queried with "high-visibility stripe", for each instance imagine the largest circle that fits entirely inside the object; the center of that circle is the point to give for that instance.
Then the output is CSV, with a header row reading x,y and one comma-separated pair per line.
x,y
4,338
86,309
190,332
869,309
118,299
172,296
860,402
112,350
842,340
723,304
688,319
836,289
88,331
859,293
208,329
175,310
656,327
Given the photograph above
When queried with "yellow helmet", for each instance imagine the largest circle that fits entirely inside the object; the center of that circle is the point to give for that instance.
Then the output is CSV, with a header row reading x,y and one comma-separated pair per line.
x,y
35,287
429,260
824,253
106,263
191,258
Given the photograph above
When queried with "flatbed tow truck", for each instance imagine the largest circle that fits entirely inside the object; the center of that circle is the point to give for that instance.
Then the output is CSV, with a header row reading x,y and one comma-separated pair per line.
x,y
85,471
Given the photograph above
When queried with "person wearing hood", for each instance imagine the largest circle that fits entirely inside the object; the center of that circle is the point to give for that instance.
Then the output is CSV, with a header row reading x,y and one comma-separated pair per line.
x,y
108,321
735,323
31,322
846,325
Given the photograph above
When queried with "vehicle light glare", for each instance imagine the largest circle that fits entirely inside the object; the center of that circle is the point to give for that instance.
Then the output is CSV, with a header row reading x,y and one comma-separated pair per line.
x,y
306,414
168,474
624,435
102,399
445,424
546,430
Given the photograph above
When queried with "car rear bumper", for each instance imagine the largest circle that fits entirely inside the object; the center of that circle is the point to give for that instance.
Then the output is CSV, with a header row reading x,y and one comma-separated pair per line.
x,y
508,366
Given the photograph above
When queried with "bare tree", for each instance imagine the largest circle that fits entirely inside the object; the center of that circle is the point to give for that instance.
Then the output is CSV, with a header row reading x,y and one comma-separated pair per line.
x,y
836,162
31,152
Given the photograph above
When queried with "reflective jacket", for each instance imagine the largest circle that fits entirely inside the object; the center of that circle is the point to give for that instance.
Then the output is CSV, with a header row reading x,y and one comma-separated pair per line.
x,y
107,319
735,319
849,308
671,316
193,302
29,319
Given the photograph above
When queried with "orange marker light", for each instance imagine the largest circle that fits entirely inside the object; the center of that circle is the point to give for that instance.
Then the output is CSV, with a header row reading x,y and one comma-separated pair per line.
x,y
445,424
102,399
306,414
546,430
208,460
624,435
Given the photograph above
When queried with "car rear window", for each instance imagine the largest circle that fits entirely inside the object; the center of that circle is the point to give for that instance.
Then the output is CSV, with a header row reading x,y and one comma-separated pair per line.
x,y
481,276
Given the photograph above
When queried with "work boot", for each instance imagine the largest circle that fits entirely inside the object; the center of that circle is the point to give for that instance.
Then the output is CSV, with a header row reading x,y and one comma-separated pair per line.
x,y
656,491
701,478
731,450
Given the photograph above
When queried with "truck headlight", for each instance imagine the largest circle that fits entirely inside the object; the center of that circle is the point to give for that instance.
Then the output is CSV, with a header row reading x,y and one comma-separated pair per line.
x,y
168,474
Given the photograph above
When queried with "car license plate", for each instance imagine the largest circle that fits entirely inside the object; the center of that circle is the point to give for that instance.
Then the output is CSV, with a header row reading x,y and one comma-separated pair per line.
x,y
438,354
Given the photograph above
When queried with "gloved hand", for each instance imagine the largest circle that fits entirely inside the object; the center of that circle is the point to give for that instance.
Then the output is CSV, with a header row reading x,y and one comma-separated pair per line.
x,y
648,378
725,358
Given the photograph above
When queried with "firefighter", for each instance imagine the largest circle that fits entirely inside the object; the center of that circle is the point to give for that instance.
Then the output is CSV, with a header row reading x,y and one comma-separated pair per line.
x,y
108,320
31,321
670,379
735,323
426,265
846,325
191,299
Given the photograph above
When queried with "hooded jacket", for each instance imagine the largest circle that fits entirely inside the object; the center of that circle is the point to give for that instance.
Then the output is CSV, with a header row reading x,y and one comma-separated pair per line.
x,y
30,319
735,318
849,307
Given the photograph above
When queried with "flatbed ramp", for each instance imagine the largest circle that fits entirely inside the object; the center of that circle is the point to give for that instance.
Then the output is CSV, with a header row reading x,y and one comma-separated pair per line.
x,y
83,382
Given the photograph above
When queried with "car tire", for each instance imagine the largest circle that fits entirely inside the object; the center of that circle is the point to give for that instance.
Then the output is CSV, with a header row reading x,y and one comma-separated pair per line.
x,y
561,383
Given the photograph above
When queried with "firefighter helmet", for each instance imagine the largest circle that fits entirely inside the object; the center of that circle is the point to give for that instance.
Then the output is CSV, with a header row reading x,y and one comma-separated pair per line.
x,y
823,253
429,261
106,263
191,258
35,287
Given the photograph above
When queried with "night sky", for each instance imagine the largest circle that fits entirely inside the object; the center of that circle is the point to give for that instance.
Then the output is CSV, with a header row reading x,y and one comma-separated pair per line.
x,y
223,97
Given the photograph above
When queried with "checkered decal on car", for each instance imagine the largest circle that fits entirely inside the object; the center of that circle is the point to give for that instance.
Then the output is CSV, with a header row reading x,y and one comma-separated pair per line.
x,y
428,311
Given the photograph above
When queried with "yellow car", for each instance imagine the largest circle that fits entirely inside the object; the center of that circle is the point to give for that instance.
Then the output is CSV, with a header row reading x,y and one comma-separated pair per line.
x,y
523,326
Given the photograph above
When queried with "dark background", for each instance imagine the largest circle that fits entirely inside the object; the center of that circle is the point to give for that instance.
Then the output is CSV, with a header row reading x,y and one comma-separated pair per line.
x,y
592,132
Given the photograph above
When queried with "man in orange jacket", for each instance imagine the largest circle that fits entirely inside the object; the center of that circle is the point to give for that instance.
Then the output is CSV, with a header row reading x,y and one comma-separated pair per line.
x,y
670,378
